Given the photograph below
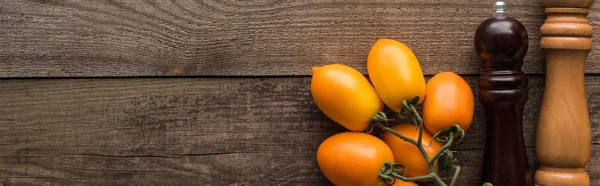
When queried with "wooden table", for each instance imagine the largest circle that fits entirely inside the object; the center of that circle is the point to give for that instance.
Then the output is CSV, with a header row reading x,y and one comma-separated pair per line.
x,y
182,92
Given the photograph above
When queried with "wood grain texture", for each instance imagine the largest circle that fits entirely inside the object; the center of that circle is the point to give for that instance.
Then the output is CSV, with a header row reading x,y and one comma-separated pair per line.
x,y
566,42
77,38
195,131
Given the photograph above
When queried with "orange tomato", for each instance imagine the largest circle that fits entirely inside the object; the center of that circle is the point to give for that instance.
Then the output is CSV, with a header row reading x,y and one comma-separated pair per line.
x,y
408,154
402,183
345,96
449,101
395,73
353,158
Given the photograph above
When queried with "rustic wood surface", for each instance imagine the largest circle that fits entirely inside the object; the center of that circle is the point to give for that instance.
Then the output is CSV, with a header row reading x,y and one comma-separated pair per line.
x,y
195,131
75,38
249,118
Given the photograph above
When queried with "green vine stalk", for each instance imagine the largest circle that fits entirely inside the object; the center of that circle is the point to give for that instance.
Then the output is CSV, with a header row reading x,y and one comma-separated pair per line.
x,y
452,135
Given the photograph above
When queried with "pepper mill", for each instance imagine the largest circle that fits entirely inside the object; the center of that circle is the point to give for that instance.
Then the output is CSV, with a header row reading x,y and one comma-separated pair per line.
x,y
501,43
563,138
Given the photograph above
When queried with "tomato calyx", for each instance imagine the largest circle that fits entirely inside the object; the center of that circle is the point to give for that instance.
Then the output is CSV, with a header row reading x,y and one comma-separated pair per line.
x,y
409,106
390,171
378,119
442,136
452,135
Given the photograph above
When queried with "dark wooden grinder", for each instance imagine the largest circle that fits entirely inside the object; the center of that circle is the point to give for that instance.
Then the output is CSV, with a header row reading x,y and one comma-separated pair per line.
x,y
501,43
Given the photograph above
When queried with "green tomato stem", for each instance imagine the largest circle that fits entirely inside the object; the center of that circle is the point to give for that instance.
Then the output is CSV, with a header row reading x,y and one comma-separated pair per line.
x,y
439,181
456,171
390,130
389,171
446,146
419,120
416,178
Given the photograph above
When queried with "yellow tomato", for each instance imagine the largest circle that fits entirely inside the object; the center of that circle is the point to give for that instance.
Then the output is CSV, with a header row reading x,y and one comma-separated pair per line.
x,y
345,96
408,154
395,73
353,158
449,101
402,183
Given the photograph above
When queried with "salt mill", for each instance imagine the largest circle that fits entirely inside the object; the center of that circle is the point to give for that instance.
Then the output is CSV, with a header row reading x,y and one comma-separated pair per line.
x,y
563,137
501,43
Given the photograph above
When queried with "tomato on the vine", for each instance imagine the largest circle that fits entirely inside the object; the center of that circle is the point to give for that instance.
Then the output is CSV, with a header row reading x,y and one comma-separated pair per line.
x,y
354,158
408,154
402,183
345,95
449,101
395,73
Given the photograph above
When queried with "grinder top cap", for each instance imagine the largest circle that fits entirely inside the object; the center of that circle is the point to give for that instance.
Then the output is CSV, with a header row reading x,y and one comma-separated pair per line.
x,y
500,9
501,38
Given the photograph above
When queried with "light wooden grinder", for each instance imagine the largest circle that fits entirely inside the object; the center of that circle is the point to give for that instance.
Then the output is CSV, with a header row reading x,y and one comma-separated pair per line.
x,y
563,133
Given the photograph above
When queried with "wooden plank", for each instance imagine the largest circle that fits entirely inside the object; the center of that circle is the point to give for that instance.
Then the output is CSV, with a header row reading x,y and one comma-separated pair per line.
x,y
190,131
223,169
75,38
